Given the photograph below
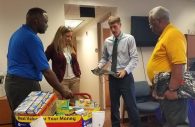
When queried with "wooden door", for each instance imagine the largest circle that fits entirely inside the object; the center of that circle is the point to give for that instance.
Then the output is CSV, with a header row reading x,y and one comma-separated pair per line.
x,y
5,112
106,34
190,49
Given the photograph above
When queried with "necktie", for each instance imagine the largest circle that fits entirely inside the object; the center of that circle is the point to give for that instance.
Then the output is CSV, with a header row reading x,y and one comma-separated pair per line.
x,y
114,55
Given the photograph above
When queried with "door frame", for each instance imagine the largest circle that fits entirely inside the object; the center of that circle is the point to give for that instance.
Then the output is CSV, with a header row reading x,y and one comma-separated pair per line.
x,y
100,47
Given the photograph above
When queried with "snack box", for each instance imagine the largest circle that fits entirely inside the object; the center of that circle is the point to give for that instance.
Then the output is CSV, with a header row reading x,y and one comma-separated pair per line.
x,y
57,121
63,108
37,103
24,118
86,104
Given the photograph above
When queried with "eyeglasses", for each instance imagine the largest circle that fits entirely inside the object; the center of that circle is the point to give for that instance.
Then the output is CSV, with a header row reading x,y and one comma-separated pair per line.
x,y
153,22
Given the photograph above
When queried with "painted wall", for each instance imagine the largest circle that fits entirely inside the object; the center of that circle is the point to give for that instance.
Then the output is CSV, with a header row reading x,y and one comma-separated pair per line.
x,y
12,15
88,59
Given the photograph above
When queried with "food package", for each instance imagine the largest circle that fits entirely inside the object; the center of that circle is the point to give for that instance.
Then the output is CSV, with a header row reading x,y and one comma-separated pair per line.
x,y
63,108
86,104
37,103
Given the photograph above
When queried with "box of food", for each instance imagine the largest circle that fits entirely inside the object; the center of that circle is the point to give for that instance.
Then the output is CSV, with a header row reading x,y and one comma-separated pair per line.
x,y
57,121
86,104
37,103
56,113
63,108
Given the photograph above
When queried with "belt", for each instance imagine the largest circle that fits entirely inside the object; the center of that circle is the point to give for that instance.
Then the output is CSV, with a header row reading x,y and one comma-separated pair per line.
x,y
19,77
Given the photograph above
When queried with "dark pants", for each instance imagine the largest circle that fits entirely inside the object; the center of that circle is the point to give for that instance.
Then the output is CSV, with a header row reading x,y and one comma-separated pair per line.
x,y
126,88
175,112
17,89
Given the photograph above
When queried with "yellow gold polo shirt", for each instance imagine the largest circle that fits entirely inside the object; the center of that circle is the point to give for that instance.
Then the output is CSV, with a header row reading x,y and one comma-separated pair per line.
x,y
170,49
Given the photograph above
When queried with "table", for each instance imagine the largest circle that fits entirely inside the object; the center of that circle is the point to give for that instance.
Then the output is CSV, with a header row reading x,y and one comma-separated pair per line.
x,y
5,112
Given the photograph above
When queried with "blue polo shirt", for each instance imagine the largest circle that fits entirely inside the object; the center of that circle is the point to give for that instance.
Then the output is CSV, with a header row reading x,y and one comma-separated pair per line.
x,y
26,57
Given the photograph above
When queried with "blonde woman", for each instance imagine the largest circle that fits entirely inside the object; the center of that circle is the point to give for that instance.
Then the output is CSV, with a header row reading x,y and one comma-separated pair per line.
x,y
64,60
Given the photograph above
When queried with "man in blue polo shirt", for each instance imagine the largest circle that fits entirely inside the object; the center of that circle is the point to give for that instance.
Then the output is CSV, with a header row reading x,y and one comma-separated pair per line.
x,y
27,61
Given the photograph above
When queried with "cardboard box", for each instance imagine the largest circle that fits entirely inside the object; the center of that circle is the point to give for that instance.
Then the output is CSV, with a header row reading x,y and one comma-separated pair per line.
x,y
50,109
63,108
57,121
86,104
37,103
47,111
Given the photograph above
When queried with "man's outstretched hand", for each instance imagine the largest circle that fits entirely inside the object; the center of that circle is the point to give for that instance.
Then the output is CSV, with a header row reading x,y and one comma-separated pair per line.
x,y
67,95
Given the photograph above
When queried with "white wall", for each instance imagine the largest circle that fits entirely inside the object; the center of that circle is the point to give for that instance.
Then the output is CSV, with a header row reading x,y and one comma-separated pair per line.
x,y
88,59
12,15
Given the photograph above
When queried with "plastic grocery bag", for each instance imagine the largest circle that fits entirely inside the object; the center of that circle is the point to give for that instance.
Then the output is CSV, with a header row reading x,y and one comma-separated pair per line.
x,y
38,122
186,90
98,118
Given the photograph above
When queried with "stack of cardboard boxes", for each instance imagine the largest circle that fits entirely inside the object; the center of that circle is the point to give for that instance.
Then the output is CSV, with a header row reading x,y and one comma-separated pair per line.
x,y
56,113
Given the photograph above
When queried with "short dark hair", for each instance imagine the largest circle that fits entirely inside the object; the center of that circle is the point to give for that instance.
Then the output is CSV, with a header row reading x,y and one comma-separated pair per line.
x,y
35,11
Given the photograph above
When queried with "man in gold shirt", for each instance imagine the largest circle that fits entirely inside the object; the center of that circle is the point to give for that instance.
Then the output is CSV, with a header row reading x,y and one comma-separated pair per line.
x,y
169,55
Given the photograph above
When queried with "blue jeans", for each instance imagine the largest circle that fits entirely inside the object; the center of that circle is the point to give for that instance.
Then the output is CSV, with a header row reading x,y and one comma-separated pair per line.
x,y
125,87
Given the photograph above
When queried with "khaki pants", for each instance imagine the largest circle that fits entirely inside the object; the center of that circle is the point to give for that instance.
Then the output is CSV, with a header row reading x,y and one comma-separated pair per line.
x,y
72,85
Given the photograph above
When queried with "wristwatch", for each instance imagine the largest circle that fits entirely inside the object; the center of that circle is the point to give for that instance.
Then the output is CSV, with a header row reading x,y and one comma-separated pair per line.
x,y
172,90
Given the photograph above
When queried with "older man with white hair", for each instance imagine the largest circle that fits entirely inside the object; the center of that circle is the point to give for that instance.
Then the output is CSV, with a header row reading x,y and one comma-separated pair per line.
x,y
169,55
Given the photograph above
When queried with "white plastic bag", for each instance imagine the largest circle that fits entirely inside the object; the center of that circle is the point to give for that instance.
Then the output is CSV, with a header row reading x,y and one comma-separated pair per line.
x,y
38,122
98,118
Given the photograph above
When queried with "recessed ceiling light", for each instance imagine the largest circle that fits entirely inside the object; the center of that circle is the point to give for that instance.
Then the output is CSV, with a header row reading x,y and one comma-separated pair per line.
x,y
73,23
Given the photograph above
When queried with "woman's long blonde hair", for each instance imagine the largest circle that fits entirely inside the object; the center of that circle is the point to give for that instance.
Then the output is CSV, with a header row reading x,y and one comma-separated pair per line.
x,y
58,40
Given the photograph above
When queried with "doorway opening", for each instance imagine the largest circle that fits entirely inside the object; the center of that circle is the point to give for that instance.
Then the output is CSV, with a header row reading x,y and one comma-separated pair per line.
x,y
88,38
